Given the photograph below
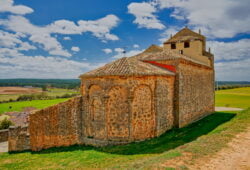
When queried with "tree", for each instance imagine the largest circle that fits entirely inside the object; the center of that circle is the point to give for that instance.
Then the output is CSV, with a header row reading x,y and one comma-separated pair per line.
x,y
5,124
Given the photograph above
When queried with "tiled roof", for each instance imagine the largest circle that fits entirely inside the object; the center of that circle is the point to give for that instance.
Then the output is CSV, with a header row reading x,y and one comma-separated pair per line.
x,y
127,67
184,35
165,55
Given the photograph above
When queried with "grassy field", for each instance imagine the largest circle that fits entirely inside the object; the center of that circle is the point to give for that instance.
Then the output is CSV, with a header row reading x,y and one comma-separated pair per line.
x,y
202,138
51,92
199,139
19,106
60,92
7,97
239,97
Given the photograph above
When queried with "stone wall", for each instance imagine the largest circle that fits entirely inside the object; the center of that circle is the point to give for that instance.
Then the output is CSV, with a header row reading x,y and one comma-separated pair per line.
x,y
112,110
164,105
58,125
143,118
19,139
196,92
193,91
128,108
117,110
4,135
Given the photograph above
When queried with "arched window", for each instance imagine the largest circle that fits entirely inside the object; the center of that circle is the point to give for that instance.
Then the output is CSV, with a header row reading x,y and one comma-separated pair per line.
x,y
117,113
143,119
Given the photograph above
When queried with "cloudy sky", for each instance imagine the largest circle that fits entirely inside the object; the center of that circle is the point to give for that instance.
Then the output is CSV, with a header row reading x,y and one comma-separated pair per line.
x,y
62,38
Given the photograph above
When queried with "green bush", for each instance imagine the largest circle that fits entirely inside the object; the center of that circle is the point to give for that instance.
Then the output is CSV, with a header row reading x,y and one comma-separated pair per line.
x,y
42,96
5,124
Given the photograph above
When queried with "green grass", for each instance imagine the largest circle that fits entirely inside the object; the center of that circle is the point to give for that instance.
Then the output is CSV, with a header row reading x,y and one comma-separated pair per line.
x,y
51,92
7,97
239,97
19,106
60,92
204,137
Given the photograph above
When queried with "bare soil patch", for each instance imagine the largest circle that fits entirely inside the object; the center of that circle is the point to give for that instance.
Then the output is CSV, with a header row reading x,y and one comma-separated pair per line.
x,y
227,109
18,90
236,156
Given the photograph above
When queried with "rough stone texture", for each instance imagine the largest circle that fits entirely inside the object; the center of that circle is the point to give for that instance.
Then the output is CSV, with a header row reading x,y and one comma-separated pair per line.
x,y
193,91
196,93
19,139
95,118
143,117
117,113
57,125
129,107
164,105
4,134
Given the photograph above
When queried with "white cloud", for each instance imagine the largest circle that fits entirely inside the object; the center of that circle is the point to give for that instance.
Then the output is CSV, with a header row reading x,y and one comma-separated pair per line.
x,y
216,18
168,32
237,50
40,35
232,59
119,50
145,15
42,67
233,71
8,52
8,6
75,49
43,34
66,38
10,40
136,46
107,50
100,28
25,46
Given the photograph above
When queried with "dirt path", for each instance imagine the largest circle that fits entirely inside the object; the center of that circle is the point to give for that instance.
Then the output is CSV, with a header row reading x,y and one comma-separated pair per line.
x,y
3,147
227,109
235,157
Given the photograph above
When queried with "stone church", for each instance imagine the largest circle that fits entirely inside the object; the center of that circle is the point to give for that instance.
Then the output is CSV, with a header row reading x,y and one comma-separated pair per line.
x,y
130,99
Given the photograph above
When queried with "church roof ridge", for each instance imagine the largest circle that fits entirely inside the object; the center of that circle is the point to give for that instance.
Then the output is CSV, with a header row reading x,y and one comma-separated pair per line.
x,y
127,67
165,55
184,35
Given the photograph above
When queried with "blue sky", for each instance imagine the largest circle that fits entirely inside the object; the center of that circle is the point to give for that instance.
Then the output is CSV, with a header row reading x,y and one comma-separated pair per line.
x,y
62,39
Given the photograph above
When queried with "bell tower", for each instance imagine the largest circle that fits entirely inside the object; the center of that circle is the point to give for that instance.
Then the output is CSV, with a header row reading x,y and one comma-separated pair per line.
x,y
190,44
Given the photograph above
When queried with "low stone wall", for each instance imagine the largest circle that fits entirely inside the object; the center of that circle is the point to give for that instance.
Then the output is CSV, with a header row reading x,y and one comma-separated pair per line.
x,y
19,139
4,134
57,125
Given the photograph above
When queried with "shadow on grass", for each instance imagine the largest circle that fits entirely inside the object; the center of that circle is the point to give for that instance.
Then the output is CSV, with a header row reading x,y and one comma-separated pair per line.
x,y
167,141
